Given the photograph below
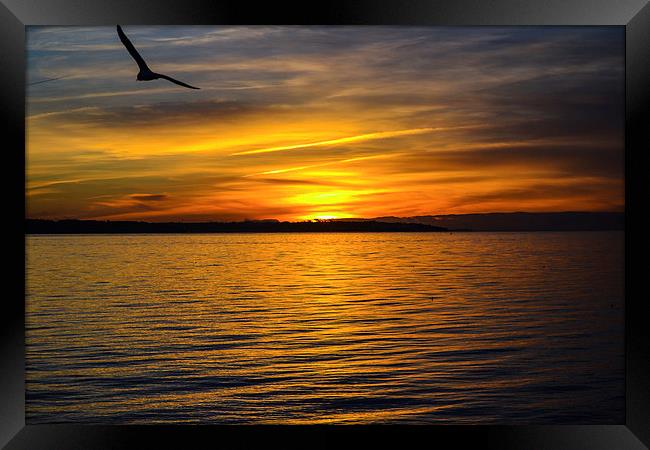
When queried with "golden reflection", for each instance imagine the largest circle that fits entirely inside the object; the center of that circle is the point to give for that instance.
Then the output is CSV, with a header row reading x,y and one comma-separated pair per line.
x,y
319,328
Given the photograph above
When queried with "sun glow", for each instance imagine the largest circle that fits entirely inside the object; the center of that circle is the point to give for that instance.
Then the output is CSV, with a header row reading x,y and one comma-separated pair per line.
x,y
398,123
325,217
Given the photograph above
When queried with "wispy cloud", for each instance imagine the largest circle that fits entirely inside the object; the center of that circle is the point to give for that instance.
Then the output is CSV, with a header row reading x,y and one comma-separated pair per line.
x,y
293,121
344,140
331,163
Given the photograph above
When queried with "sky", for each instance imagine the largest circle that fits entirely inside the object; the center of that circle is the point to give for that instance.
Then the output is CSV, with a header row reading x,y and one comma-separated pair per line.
x,y
299,123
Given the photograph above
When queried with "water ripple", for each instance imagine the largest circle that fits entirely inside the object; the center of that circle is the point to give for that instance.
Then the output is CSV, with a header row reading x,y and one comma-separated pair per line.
x,y
325,328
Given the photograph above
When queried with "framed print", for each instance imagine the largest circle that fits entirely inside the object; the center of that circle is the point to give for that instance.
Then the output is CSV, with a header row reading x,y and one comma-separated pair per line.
x,y
409,222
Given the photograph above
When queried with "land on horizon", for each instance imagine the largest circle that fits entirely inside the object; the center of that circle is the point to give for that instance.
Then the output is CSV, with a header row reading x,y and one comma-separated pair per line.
x,y
563,221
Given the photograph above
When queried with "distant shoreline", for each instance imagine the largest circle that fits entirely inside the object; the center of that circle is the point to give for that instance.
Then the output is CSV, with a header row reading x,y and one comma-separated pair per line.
x,y
107,227
490,222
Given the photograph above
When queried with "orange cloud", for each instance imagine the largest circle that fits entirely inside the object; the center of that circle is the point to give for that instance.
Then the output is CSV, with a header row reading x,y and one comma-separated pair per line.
x,y
352,122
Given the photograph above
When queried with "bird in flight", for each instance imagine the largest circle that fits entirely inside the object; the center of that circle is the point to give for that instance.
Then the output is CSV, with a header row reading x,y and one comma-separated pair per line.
x,y
145,73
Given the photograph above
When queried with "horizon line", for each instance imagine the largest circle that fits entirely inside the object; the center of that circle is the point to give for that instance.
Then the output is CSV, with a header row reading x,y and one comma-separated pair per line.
x,y
332,219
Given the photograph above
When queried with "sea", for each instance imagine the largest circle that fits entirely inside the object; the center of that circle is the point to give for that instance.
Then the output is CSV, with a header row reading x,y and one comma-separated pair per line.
x,y
326,328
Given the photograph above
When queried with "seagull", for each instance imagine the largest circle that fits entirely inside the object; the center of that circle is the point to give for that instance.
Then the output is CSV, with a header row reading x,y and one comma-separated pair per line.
x,y
145,73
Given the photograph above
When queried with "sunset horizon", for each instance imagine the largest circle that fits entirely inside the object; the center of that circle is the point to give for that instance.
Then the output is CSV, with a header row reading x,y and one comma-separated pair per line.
x,y
303,123
333,218
325,225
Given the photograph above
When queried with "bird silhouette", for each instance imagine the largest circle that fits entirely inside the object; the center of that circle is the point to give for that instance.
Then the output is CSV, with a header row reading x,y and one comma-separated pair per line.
x,y
145,73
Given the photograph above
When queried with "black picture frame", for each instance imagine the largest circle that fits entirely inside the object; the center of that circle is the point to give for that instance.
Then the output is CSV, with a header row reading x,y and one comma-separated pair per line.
x,y
634,15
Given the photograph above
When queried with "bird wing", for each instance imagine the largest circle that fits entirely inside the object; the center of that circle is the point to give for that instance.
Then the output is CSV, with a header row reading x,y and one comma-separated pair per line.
x,y
134,53
180,83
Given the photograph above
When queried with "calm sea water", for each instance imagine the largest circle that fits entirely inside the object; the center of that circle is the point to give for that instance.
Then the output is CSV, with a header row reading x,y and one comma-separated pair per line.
x,y
326,328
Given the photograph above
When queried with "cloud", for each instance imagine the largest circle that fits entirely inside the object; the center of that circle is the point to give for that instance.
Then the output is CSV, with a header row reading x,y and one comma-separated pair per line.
x,y
344,140
149,197
401,120
159,113
589,159
544,197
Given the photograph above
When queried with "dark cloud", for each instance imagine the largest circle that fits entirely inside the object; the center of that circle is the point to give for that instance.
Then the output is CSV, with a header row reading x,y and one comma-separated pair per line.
x,y
585,105
149,197
568,160
170,113
598,193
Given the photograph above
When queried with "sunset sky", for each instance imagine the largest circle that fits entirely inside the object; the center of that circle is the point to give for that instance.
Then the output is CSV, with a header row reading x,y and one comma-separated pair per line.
x,y
298,123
